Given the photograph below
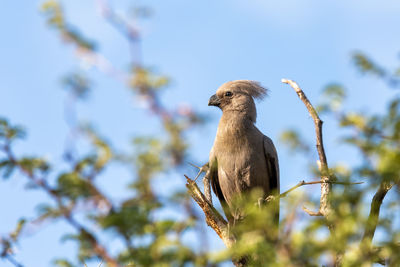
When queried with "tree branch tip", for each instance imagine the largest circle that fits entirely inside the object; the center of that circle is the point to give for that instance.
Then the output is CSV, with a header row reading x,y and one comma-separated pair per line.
x,y
190,181
194,166
312,213
287,81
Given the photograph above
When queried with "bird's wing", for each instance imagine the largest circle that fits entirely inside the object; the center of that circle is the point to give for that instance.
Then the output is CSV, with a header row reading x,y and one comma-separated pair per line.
x,y
215,185
271,157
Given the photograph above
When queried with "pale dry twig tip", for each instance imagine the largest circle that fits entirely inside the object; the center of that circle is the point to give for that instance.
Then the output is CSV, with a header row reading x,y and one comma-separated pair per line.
x,y
194,165
312,213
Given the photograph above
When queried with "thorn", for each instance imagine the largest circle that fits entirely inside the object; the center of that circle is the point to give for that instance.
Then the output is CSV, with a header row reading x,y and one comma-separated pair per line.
x,y
194,165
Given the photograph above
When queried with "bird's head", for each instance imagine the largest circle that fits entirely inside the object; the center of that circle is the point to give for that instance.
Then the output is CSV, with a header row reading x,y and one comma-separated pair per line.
x,y
237,96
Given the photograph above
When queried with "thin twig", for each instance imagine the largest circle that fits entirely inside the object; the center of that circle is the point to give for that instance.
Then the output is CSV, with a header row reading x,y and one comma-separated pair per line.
x,y
301,183
13,261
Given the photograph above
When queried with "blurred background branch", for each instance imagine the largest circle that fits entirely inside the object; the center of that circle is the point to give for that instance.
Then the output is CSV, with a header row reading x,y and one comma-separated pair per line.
x,y
108,178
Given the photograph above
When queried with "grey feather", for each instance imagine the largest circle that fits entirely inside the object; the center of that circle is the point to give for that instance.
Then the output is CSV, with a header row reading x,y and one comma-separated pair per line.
x,y
252,88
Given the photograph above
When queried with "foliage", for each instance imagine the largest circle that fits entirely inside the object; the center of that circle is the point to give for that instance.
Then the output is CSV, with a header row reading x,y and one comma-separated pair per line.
x,y
152,240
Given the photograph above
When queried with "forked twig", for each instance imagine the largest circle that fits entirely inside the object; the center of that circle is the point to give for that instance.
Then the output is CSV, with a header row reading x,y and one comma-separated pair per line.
x,y
326,187
302,183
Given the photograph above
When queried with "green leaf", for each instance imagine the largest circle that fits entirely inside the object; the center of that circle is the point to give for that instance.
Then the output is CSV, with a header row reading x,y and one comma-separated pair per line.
x,y
366,65
9,132
34,164
73,185
20,225
78,84
63,263
6,168
292,139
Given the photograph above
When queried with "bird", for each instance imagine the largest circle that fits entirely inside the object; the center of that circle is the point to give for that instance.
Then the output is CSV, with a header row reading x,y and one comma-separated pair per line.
x,y
242,157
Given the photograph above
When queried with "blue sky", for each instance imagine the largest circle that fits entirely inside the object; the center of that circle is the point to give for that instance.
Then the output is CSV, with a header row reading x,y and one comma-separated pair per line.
x,y
200,45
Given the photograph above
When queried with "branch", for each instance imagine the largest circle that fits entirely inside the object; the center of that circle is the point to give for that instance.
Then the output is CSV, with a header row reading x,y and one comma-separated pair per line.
x,y
66,212
213,218
128,30
325,208
326,187
383,260
373,217
301,183
13,261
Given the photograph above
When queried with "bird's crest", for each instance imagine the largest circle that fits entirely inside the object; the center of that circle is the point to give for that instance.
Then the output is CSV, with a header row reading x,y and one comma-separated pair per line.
x,y
249,87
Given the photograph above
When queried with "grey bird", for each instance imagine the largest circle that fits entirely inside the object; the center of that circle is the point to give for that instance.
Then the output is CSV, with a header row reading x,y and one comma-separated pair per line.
x,y
242,158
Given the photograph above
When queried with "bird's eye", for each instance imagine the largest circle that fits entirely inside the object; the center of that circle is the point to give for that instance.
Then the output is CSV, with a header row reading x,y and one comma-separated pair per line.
x,y
228,93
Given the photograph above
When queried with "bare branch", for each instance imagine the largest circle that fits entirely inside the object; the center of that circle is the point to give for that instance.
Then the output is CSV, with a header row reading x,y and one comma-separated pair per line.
x,y
317,121
325,208
301,183
326,187
213,218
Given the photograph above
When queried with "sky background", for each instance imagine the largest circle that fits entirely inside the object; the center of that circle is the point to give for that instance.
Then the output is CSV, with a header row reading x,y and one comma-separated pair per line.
x,y
200,45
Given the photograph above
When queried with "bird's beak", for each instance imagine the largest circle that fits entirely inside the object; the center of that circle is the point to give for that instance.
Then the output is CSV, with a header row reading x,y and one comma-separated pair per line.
x,y
214,101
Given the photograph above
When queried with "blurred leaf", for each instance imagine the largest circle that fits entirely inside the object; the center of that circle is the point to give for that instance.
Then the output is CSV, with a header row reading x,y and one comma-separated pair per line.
x,y
366,65
33,164
354,119
77,84
46,211
10,132
333,96
146,82
103,152
6,167
85,241
129,220
63,263
20,225
292,139
73,186
55,18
